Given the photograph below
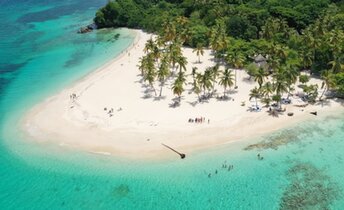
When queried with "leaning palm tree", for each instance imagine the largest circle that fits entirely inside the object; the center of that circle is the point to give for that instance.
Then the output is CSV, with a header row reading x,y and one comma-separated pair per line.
x,y
226,80
255,93
199,51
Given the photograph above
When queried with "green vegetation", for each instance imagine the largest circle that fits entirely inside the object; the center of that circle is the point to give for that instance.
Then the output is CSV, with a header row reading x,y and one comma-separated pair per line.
x,y
291,35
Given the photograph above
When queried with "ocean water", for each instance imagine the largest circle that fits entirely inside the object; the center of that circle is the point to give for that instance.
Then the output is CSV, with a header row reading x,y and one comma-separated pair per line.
x,y
40,53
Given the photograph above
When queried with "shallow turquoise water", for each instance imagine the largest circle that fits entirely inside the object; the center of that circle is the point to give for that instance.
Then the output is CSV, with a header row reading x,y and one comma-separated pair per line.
x,y
41,53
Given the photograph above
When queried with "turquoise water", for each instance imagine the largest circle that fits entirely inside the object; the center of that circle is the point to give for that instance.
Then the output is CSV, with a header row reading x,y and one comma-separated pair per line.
x,y
41,53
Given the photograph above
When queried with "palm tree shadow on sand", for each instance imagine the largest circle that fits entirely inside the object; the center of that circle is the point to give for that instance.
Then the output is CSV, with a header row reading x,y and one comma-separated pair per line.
x,y
159,98
275,113
224,98
147,93
175,103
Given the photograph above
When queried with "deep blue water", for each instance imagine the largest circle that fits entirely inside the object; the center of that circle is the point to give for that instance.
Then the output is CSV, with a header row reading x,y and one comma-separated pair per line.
x,y
40,53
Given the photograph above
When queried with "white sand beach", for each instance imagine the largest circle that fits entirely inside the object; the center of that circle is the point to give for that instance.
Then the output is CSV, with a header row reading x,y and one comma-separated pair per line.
x,y
140,122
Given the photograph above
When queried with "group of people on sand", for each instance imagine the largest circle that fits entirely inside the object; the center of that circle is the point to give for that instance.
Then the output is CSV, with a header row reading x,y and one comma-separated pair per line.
x,y
72,96
198,120
111,110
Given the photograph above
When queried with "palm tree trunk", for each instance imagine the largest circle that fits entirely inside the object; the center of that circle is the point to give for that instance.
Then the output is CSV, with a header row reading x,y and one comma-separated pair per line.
x,y
153,89
224,92
161,85
322,94
235,86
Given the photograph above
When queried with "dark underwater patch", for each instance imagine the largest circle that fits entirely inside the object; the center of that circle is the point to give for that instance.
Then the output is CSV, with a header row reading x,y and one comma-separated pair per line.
x,y
309,188
3,83
48,14
11,67
121,191
76,59
276,140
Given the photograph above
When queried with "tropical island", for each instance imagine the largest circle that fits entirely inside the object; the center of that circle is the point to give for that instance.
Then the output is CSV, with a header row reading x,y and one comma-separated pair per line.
x,y
235,69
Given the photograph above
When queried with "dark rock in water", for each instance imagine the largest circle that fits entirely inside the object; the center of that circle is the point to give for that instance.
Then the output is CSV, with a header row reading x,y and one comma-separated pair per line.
x,y
290,114
88,28
92,26
84,30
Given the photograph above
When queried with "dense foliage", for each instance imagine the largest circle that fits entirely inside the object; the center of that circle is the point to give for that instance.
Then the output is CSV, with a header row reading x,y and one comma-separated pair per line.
x,y
292,35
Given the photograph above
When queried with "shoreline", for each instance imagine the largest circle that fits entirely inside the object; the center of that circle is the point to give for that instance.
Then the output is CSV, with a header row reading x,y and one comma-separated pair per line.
x,y
140,125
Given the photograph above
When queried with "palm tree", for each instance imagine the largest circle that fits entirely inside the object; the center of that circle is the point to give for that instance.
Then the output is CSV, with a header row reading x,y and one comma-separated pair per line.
x,y
218,37
169,31
143,65
279,51
205,80
174,53
290,73
306,58
255,93
280,86
312,42
163,72
178,88
260,76
178,85
214,72
328,82
267,89
274,63
151,73
182,62
226,80
196,87
235,60
277,98
251,70
336,65
199,51
194,72
149,46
